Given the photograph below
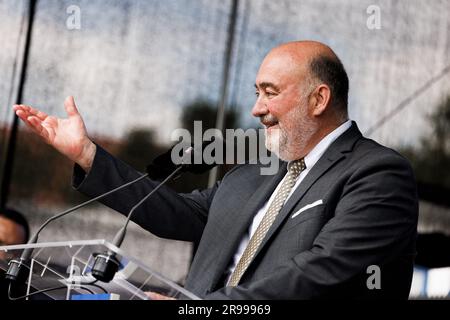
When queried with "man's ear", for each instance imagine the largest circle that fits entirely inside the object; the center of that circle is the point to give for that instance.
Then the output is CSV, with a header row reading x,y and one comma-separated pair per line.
x,y
320,99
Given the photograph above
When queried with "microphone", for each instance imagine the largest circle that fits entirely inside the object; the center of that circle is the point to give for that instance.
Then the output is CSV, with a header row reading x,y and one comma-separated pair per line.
x,y
15,268
106,265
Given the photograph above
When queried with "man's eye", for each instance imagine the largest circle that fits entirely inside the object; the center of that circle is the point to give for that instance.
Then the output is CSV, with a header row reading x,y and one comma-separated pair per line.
x,y
257,93
270,93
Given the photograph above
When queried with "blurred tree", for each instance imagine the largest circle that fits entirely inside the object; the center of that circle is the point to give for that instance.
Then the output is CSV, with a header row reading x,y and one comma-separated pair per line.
x,y
42,175
139,148
431,160
431,164
441,127
206,112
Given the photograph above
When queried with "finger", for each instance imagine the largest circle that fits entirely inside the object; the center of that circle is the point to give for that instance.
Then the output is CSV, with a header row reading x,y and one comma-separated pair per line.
x,y
37,126
157,296
70,106
31,111
23,115
18,107
40,114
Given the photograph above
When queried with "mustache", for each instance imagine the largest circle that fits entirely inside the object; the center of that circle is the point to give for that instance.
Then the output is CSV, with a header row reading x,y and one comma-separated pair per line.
x,y
268,119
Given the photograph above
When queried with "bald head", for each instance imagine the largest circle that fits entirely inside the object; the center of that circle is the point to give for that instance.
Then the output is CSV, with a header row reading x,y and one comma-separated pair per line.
x,y
314,63
303,51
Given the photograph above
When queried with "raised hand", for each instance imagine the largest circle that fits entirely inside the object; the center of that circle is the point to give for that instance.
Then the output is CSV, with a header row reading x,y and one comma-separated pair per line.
x,y
68,136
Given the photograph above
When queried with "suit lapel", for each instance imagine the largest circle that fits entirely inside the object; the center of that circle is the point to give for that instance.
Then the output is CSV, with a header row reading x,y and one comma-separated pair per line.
x,y
241,220
335,152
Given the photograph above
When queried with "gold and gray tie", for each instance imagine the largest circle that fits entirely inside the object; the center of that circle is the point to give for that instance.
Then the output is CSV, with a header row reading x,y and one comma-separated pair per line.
x,y
294,170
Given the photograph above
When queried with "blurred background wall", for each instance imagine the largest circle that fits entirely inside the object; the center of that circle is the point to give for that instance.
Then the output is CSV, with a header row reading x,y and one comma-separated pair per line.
x,y
140,69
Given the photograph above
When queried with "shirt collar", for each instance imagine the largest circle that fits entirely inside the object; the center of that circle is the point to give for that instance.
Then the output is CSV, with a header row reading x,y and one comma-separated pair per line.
x,y
314,155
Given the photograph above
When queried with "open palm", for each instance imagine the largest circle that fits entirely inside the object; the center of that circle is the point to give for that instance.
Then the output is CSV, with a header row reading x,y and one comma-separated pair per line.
x,y
68,136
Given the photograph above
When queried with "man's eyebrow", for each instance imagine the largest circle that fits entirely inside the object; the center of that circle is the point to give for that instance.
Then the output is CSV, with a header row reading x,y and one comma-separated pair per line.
x,y
264,85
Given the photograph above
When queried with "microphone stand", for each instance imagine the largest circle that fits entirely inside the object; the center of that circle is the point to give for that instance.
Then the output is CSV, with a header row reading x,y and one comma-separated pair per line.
x,y
106,265
15,266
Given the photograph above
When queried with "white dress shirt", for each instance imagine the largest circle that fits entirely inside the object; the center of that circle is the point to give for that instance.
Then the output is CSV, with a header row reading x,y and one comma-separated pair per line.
x,y
310,160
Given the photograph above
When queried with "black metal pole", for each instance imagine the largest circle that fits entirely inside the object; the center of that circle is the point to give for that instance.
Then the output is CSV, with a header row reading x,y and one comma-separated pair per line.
x,y
220,120
9,161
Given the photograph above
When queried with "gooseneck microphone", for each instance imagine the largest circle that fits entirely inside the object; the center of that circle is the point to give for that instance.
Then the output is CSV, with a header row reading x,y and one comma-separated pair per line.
x,y
15,268
106,265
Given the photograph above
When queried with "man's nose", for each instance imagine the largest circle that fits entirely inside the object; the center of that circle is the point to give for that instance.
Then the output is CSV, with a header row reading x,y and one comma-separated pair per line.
x,y
260,108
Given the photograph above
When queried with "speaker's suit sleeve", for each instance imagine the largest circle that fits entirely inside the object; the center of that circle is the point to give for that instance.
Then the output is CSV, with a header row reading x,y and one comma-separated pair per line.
x,y
166,214
375,221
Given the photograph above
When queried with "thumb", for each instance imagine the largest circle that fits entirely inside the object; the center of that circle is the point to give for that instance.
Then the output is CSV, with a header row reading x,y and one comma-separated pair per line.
x,y
71,108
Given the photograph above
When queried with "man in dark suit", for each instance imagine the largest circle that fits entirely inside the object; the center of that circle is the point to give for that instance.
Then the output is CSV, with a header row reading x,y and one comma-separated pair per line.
x,y
338,220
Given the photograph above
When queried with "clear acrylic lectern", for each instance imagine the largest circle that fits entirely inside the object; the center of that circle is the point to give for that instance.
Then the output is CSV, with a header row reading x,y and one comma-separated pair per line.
x,y
65,267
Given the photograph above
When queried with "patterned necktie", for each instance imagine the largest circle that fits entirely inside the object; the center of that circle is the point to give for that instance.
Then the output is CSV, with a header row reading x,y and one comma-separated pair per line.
x,y
294,170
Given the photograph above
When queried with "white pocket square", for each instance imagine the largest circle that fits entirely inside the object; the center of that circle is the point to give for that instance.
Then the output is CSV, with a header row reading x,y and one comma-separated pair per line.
x,y
308,206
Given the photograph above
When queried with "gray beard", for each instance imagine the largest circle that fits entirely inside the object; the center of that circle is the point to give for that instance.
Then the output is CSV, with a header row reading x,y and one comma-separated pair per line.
x,y
288,144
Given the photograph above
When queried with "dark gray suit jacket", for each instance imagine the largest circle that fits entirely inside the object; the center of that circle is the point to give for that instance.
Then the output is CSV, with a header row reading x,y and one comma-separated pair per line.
x,y
368,217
